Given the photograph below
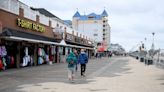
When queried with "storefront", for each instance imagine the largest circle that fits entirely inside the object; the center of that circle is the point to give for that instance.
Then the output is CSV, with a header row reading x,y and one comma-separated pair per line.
x,y
78,43
24,42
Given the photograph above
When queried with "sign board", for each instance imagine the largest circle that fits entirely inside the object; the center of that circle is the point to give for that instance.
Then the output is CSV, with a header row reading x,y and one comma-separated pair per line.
x,y
30,25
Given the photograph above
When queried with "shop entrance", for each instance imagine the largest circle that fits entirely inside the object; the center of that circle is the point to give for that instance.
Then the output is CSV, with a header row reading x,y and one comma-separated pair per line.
x,y
8,51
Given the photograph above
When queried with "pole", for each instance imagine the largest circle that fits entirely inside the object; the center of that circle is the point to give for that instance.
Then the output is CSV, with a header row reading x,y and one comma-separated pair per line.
x,y
153,41
145,43
153,46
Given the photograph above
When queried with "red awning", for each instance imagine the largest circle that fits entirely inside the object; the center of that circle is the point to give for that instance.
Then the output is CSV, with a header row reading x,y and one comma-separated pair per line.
x,y
101,49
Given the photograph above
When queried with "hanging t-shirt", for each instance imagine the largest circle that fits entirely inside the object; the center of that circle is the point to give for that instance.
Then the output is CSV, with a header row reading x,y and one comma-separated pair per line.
x,y
1,64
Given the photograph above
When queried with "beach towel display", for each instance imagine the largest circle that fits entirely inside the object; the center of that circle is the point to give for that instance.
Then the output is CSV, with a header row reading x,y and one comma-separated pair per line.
x,y
26,58
53,50
41,54
3,53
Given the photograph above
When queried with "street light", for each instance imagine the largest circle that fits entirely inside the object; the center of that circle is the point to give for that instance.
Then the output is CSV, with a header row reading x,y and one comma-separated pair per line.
x,y
153,41
145,43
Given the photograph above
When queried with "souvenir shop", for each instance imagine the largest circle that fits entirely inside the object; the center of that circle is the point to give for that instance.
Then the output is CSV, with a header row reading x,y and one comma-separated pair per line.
x,y
18,54
8,51
24,42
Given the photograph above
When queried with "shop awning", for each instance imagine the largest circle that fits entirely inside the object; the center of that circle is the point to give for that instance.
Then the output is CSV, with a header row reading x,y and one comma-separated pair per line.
x,y
101,49
81,47
63,43
79,44
30,40
12,34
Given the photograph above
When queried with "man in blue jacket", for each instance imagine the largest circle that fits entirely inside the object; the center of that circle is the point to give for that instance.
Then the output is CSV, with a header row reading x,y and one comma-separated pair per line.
x,y
83,60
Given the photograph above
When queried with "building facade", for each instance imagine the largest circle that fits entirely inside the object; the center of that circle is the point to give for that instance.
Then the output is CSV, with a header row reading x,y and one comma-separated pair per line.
x,y
94,26
34,36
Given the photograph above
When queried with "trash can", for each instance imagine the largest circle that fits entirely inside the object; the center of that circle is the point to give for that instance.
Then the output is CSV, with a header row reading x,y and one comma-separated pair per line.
x,y
141,59
150,62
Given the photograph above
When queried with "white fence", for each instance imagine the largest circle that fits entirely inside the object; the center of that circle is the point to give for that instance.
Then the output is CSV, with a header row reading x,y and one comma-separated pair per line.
x,y
10,5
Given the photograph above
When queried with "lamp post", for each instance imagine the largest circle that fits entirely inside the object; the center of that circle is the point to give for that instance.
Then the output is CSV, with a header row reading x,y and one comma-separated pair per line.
x,y
153,41
145,43
153,46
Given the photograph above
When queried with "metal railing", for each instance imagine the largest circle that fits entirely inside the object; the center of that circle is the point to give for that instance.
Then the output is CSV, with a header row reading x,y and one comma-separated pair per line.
x,y
159,58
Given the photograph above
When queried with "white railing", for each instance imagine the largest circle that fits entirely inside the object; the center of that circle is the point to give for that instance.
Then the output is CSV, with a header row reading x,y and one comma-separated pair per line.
x,y
4,4
69,30
14,5
10,6
44,20
28,13
53,22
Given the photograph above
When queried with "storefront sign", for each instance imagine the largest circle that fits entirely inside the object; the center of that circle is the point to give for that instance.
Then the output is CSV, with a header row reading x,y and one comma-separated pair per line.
x,y
30,25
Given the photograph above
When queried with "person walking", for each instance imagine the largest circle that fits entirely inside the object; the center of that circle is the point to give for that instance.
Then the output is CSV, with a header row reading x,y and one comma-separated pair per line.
x,y
83,60
77,56
71,60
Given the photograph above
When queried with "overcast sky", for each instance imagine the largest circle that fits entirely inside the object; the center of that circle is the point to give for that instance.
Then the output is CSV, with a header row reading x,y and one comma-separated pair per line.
x,y
131,20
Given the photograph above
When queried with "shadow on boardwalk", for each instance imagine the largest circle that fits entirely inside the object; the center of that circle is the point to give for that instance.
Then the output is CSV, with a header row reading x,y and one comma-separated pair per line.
x,y
36,76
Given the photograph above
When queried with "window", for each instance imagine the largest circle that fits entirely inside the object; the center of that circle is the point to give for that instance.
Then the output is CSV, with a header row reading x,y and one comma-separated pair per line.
x,y
57,25
90,17
95,34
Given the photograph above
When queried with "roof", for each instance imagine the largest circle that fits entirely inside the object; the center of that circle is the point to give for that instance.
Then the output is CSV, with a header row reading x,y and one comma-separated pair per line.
x,y
45,12
12,32
104,13
77,14
91,16
68,22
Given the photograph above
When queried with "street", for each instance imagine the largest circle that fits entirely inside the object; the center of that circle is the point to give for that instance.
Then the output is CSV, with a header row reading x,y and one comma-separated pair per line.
x,y
116,74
